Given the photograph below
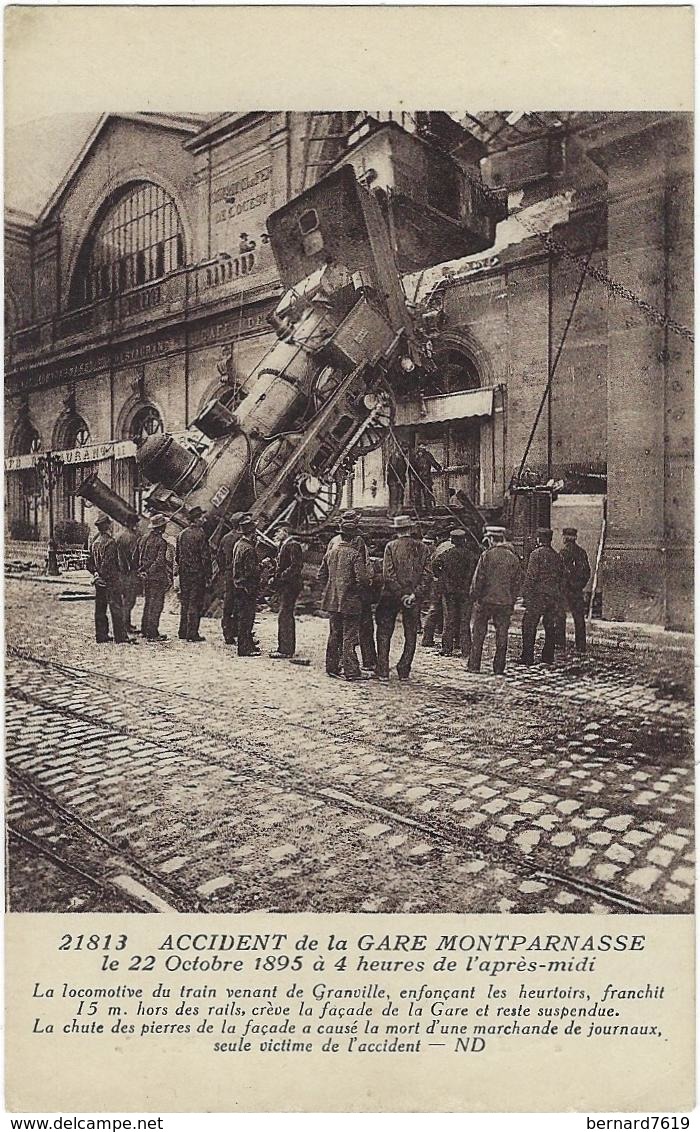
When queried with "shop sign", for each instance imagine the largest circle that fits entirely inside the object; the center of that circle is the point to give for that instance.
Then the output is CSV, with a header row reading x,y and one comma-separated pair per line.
x,y
88,454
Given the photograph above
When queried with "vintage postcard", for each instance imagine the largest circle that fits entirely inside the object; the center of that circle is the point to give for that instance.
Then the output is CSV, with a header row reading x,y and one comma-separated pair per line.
x,y
349,559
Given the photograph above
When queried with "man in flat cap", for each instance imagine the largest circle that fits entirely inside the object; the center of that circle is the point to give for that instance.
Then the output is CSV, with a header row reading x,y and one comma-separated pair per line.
x,y
406,581
434,620
345,576
542,592
103,561
577,571
224,559
455,570
494,591
155,573
245,568
193,563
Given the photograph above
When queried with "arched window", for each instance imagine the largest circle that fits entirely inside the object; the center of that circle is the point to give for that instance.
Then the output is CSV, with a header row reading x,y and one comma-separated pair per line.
x,y
455,372
142,422
74,434
24,487
136,238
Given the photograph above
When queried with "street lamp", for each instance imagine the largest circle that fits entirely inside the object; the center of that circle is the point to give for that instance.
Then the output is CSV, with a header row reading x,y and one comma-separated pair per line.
x,y
49,466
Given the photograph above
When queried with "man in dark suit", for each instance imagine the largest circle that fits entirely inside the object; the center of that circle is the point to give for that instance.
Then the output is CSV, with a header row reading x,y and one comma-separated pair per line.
x,y
193,561
155,573
103,561
542,597
406,578
245,567
224,559
577,571
287,582
128,551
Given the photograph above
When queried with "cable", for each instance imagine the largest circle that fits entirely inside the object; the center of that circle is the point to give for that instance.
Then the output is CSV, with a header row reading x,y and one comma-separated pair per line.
x,y
550,379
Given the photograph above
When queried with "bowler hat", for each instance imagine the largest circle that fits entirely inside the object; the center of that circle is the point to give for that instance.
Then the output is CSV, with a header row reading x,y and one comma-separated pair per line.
x,y
158,521
352,518
570,531
458,532
102,520
403,523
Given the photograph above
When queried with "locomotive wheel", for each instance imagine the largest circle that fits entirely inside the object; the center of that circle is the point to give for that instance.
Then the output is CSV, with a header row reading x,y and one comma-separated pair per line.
x,y
383,407
317,501
272,459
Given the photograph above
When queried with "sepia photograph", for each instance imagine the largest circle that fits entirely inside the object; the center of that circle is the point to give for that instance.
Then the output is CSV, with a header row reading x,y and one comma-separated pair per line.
x,y
397,399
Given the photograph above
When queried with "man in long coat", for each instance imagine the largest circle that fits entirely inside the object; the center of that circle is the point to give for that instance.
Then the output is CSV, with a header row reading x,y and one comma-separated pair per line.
x,y
345,577
193,562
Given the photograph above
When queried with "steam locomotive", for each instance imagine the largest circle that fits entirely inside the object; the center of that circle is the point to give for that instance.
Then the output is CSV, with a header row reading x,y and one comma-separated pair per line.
x,y
324,394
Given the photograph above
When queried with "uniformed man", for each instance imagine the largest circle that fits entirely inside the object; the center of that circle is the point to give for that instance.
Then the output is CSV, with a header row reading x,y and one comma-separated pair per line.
x,y
128,552
406,582
455,570
245,567
103,561
156,576
193,564
287,581
577,571
494,591
224,558
345,577
542,594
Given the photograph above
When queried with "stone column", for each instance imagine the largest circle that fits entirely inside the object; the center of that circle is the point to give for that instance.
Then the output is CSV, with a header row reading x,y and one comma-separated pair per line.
x,y
636,151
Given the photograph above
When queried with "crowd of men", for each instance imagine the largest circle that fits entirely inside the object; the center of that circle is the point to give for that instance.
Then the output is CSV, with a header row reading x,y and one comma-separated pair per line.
x,y
452,585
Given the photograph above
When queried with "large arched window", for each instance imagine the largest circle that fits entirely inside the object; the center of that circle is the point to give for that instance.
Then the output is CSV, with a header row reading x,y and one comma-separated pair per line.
x,y
24,487
73,433
136,238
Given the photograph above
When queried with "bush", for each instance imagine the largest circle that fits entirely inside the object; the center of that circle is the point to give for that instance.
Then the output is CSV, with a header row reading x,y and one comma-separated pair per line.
x,y
22,531
69,532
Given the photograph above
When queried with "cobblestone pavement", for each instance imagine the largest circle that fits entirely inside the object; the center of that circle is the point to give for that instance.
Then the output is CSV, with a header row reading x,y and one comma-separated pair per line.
x,y
230,784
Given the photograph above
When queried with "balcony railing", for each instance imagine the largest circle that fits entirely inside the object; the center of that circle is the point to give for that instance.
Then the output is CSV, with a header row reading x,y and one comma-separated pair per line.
x,y
175,292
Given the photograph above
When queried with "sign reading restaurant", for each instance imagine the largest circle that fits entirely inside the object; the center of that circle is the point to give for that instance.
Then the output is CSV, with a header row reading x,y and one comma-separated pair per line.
x,y
87,454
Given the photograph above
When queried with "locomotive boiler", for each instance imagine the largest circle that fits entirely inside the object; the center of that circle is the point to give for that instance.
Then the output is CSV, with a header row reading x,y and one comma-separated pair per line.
x,y
322,396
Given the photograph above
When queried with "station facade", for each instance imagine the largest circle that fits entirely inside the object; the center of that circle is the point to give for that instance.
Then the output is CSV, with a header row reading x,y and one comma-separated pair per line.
x,y
147,281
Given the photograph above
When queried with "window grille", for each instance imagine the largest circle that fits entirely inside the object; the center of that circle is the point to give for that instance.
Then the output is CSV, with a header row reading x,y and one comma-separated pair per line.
x,y
137,239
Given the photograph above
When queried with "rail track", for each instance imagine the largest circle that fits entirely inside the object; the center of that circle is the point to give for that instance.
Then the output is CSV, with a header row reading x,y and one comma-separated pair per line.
x,y
286,776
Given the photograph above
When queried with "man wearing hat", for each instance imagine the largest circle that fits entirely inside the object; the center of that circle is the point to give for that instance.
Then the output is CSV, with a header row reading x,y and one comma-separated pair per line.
x,y
224,558
155,572
245,571
455,570
494,591
406,580
193,564
128,552
577,571
288,583
345,576
368,647
104,564
542,594
396,470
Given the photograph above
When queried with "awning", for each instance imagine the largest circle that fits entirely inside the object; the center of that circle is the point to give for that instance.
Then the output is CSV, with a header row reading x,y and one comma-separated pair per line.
x,y
449,407
88,454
